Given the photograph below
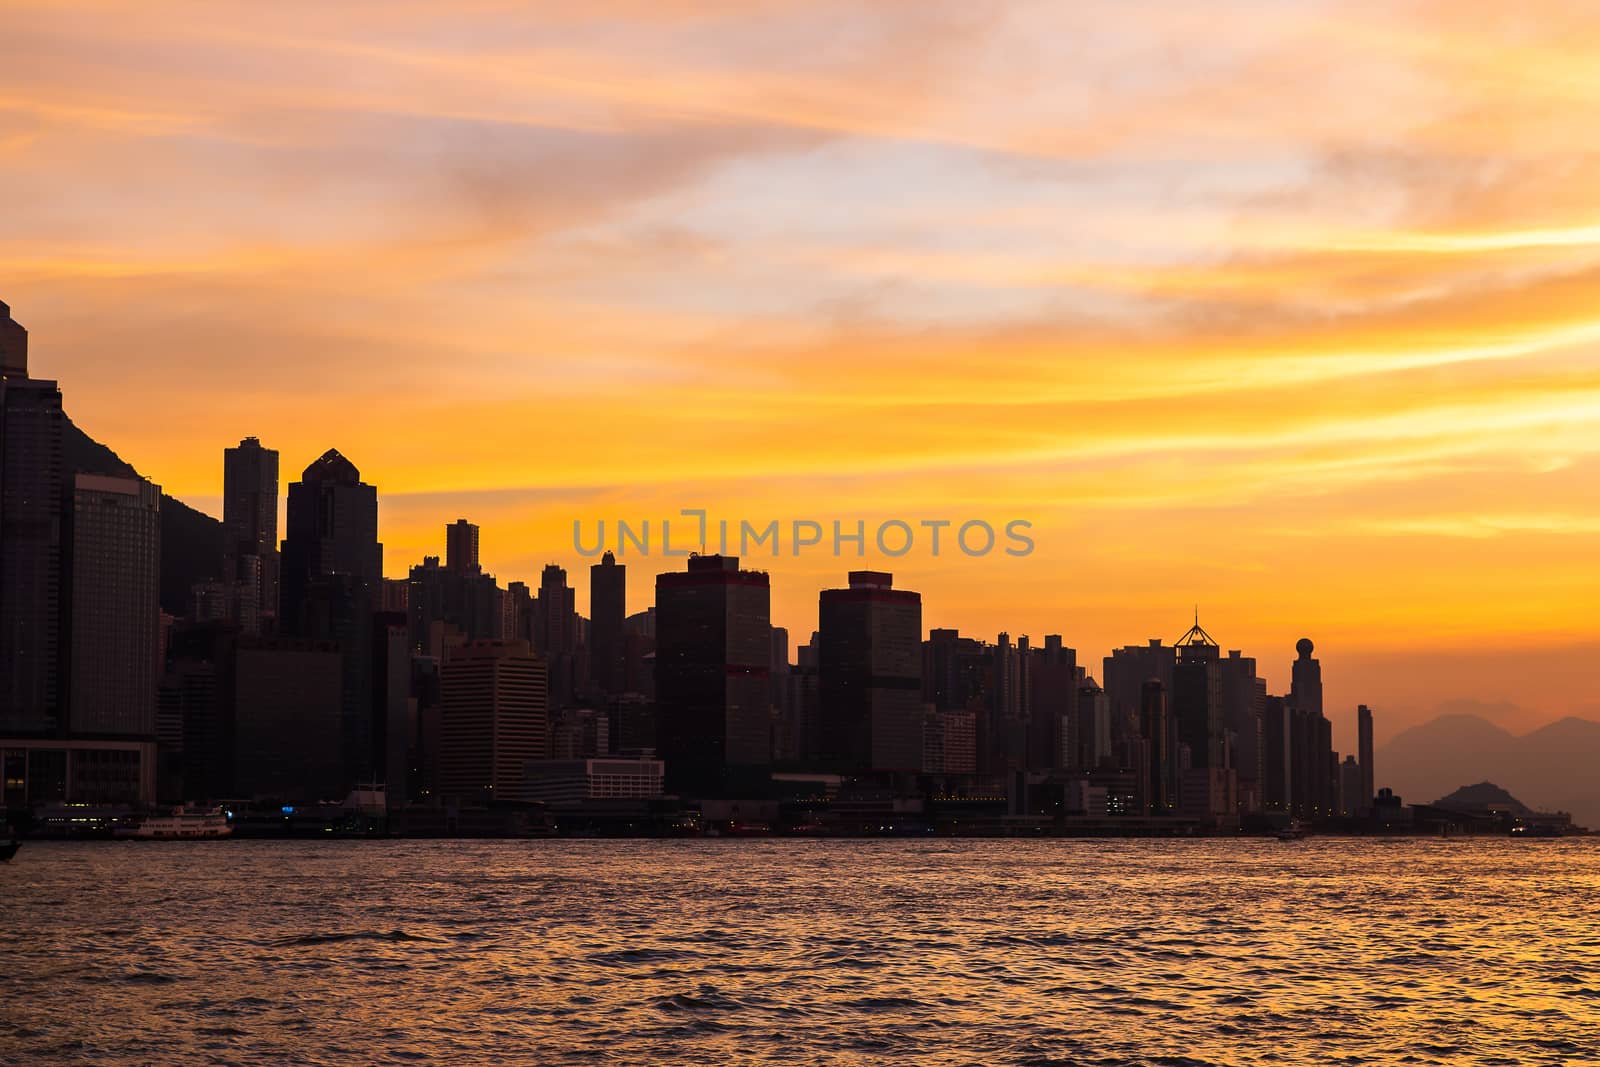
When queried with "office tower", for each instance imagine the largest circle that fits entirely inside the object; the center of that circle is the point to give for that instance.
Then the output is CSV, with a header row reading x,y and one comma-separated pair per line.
x,y
869,669
332,530
31,489
1007,699
464,600
579,733
1093,722
1124,674
13,346
713,643
1053,684
1155,727
555,631
516,613
493,719
250,533
1315,789
391,703
112,618
1306,678
1277,755
461,548
331,580
396,596
284,722
1241,694
1196,698
607,611
1364,746
1349,787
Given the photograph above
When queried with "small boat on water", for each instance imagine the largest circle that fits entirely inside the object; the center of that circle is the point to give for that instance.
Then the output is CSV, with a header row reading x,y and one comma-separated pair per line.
x,y
1293,832
179,824
8,847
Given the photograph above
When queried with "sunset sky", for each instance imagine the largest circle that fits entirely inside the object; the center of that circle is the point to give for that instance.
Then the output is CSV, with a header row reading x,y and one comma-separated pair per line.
x,y
1285,309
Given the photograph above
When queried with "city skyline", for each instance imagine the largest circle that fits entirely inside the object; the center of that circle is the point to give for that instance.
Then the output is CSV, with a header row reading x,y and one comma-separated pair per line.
x,y
1294,348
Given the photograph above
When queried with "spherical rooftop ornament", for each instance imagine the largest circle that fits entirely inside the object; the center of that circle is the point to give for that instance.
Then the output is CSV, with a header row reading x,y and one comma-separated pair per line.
x,y
1305,647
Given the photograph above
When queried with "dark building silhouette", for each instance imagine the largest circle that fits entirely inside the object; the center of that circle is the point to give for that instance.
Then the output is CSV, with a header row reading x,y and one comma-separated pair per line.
x,y
870,676
1161,767
608,596
332,575
112,602
494,717
555,632
250,534
286,720
1053,680
461,548
1196,701
1364,747
31,489
713,644
1314,783
13,346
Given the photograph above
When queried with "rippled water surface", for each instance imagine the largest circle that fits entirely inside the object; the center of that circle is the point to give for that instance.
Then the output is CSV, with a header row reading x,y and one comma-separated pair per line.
x,y
959,952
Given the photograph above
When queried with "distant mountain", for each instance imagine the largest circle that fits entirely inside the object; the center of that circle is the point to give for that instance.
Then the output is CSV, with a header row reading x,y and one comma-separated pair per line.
x,y
1552,768
1485,796
191,542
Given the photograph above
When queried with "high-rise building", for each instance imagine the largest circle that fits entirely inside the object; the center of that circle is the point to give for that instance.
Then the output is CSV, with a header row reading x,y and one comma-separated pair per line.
x,y
331,581
1242,698
250,533
461,548
13,346
31,490
870,676
494,718
608,589
1196,699
1364,746
555,631
284,720
713,644
1053,679
1349,787
112,569
1161,783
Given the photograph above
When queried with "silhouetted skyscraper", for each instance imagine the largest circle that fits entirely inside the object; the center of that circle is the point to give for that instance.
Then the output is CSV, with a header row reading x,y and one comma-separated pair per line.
x,y
607,610
332,570
494,718
712,649
250,533
870,676
31,488
1364,746
461,548
13,346
1161,775
112,529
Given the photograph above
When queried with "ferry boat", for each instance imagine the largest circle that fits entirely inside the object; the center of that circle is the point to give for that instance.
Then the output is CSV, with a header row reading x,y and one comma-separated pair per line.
x,y
180,823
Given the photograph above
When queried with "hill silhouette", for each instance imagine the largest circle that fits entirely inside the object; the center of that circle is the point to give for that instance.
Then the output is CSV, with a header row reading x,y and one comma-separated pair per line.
x,y
1485,796
1550,769
191,541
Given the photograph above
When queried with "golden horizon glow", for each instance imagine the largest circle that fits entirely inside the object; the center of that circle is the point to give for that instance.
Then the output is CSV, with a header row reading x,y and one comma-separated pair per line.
x,y
1285,310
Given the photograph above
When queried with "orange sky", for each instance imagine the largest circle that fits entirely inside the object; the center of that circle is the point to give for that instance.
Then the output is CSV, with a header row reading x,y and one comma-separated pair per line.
x,y
1287,310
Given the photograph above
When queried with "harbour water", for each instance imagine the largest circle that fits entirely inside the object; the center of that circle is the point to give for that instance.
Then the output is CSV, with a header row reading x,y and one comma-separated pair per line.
x,y
806,952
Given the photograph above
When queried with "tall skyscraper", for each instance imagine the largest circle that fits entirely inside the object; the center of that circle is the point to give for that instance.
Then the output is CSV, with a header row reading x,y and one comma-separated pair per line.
x,y
555,632
494,718
1306,678
113,612
31,490
1196,699
250,533
870,676
607,611
332,570
1364,746
712,650
13,346
461,548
